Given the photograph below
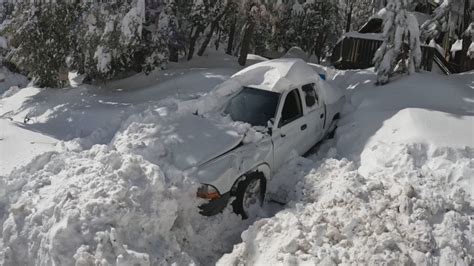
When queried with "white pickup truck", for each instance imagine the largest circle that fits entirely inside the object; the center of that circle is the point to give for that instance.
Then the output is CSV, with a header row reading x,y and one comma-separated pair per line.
x,y
287,101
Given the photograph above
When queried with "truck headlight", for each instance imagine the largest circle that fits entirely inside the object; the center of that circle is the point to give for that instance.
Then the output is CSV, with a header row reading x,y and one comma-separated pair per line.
x,y
208,192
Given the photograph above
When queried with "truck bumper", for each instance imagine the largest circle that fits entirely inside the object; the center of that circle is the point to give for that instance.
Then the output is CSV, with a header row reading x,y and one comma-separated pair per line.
x,y
214,207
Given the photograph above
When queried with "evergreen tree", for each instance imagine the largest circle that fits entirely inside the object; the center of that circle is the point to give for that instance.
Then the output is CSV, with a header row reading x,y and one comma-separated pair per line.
x,y
401,44
217,12
168,29
356,13
100,40
262,30
199,20
281,27
440,19
229,25
41,41
470,33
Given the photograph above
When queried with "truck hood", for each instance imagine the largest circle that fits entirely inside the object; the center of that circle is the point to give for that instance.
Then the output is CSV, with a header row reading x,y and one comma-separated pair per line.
x,y
199,140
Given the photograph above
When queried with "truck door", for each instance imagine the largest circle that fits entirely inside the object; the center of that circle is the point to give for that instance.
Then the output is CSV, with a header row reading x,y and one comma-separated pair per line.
x,y
289,133
314,114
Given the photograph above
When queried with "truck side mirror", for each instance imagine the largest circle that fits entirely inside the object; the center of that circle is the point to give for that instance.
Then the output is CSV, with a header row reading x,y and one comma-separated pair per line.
x,y
270,126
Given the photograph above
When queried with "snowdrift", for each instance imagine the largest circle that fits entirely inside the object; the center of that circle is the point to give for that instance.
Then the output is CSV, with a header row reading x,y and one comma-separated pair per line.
x,y
106,190
396,189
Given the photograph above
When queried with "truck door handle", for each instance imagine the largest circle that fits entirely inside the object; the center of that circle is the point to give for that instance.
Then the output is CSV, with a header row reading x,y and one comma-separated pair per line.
x,y
303,127
321,116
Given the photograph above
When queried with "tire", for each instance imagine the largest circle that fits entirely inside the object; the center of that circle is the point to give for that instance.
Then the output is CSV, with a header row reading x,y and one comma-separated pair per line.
x,y
332,133
250,191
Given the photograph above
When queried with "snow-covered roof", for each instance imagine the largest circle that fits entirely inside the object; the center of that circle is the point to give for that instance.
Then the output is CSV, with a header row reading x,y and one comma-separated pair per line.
x,y
355,34
277,75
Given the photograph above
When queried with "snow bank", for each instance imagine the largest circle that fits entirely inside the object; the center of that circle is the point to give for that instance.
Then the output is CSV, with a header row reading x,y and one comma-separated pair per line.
x,y
342,217
109,192
124,203
396,189
89,115
87,205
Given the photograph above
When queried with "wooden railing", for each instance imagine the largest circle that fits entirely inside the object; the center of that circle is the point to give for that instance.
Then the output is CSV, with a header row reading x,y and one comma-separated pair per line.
x,y
358,53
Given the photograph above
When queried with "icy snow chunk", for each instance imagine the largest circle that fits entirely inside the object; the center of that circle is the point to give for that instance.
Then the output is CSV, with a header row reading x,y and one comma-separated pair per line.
x,y
75,79
3,43
457,46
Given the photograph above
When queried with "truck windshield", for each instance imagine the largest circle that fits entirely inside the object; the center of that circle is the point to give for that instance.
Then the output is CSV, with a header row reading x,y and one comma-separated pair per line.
x,y
253,106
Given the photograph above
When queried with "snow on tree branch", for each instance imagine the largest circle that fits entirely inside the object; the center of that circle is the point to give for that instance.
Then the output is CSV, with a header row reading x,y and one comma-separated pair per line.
x,y
400,50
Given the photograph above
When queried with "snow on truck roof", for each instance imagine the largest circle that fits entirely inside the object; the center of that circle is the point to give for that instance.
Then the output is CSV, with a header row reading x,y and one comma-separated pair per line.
x,y
277,75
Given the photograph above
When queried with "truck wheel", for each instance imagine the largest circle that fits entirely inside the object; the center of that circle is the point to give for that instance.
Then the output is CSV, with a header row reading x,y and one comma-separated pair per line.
x,y
332,133
250,194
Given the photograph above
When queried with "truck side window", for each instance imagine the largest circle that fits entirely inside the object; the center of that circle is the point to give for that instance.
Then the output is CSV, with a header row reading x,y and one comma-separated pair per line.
x,y
311,98
292,108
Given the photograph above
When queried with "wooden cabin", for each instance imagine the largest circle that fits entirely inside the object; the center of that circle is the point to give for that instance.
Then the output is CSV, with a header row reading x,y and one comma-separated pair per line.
x,y
356,50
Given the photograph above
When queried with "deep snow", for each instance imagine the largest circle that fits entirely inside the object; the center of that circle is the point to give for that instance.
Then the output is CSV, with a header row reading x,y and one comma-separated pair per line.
x,y
397,187
394,185
104,189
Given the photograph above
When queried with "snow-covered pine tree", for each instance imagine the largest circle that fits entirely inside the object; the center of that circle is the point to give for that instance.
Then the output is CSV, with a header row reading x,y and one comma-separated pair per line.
x,y
356,13
131,32
229,25
168,31
41,41
401,44
281,27
440,19
217,12
88,31
470,33
158,39
251,13
109,48
295,31
199,21
262,30
328,26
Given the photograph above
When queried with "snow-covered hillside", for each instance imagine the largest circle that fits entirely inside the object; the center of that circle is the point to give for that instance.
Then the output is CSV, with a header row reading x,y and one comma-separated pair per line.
x,y
394,185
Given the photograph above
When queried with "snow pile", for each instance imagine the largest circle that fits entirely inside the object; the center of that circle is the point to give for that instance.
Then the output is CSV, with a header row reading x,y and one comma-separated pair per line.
x,y
397,188
340,216
121,203
33,120
94,206
125,203
110,193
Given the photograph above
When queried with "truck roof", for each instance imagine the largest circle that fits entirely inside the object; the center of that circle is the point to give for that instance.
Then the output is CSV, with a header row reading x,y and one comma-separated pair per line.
x,y
277,75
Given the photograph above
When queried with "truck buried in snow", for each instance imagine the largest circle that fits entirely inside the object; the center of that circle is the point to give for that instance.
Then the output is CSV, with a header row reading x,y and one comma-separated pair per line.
x,y
284,100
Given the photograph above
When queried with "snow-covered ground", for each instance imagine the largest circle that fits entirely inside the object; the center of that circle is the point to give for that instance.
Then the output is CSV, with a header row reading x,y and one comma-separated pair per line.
x,y
396,186
84,177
